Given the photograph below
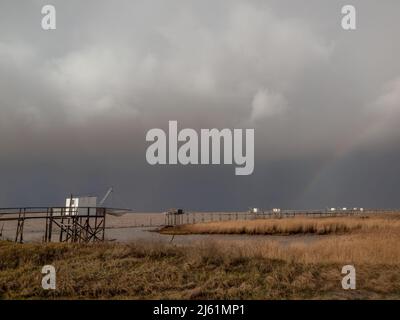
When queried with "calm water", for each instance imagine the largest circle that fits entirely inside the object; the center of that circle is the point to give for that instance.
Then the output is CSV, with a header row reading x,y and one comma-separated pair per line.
x,y
135,227
149,234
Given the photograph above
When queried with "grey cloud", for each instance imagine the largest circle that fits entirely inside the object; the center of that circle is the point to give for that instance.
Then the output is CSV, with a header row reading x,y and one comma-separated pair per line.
x,y
76,103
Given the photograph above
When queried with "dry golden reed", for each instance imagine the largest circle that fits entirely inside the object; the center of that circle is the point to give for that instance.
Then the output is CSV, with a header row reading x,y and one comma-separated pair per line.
x,y
224,269
289,226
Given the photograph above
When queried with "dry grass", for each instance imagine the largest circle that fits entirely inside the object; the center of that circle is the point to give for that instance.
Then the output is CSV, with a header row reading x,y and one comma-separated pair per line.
x,y
290,226
212,270
364,248
205,271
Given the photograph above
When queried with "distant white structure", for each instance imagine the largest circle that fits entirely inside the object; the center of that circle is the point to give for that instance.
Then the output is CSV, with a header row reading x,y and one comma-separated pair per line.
x,y
276,210
79,205
254,210
345,209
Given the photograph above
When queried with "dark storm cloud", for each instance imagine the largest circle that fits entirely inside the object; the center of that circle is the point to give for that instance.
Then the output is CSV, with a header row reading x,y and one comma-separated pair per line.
x,y
76,103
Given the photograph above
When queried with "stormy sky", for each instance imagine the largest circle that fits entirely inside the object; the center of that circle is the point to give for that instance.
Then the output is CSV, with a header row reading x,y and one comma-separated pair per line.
x,y
76,102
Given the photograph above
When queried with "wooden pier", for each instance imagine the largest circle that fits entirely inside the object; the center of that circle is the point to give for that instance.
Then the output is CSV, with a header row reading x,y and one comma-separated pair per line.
x,y
65,224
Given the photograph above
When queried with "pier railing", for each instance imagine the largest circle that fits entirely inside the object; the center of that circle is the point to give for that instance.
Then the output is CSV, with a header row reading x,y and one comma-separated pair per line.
x,y
172,219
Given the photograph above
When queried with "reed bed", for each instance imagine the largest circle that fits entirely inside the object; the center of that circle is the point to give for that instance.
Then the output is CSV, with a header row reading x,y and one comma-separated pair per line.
x,y
288,226
222,269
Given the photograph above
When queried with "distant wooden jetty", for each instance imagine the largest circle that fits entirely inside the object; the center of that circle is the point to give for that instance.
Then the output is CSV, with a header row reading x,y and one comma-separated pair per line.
x,y
65,224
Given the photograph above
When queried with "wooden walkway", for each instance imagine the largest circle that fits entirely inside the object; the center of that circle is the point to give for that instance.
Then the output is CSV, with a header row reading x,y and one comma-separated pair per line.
x,y
84,224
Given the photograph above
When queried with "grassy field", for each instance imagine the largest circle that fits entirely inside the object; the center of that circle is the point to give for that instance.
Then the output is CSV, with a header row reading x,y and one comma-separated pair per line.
x,y
291,226
214,270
